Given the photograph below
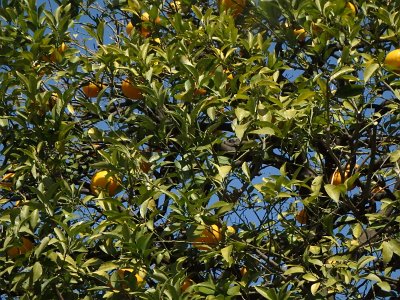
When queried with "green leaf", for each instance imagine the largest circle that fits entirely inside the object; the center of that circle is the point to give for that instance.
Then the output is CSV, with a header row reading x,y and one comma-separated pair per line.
x,y
384,286
333,192
223,171
310,277
365,260
395,156
369,71
387,252
226,254
37,271
314,288
269,294
294,270
43,244
246,170
395,246
264,130
357,230
373,277
341,72
240,130
350,90
241,114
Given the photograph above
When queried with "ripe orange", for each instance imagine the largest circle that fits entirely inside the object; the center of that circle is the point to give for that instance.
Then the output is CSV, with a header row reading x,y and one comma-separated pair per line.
x,y
200,92
53,56
92,90
210,236
145,166
350,6
13,252
157,20
129,28
27,245
300,34
145,31
103,180
302,216
122,273
392,60
230,230
175,5
337,179
236,6
145,17
186,284
131,91
316,30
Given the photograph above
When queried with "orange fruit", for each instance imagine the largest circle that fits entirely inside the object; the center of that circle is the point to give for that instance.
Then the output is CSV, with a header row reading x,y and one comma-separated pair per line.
x,y
13,252
210,236
27,245
300,34
243,271
122,273
102,180
200,92
129,28
236,6
350,6
175,5
53,56
145,31
336,178
92,90
316,29
131,91
392,60
302,216
186,284
145,166
145,17
230,230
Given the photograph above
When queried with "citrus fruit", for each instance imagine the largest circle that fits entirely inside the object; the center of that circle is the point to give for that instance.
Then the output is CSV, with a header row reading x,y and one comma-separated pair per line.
x,y
122,273
302,216
210,236
186,284
103,180
129,28
131,91
236,6
92,90
300,34
350,6
392,60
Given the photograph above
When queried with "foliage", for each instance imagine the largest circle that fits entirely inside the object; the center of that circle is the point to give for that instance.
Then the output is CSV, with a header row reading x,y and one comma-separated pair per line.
x,y
240,122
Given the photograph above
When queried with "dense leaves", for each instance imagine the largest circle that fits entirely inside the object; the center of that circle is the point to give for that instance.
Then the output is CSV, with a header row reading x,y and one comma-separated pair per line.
x,y
202,118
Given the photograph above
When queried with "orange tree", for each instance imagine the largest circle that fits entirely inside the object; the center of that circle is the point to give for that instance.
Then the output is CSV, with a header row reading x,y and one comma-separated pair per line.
x,y
133,133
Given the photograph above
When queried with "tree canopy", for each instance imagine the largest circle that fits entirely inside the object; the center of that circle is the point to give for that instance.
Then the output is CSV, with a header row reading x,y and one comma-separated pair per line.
x,y
192,149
